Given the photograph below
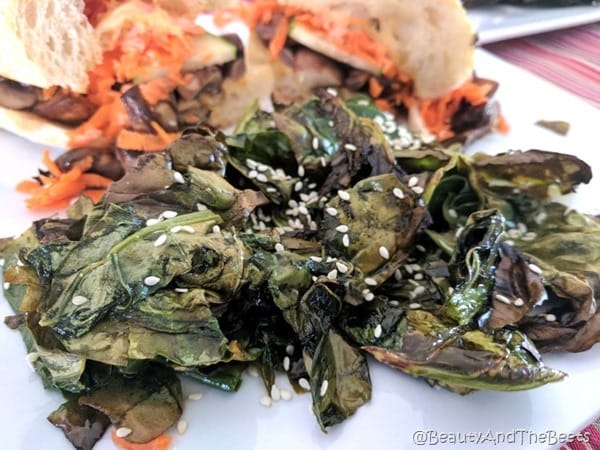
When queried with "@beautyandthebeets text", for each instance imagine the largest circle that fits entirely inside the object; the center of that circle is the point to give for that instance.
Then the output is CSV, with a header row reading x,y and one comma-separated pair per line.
x,y
518,437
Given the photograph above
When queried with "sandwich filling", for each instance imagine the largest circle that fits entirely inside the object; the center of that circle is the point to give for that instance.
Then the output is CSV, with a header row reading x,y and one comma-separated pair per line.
x,y
324,50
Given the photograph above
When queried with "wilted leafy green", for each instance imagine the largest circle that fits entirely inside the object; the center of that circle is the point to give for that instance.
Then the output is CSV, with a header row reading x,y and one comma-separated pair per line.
x,y
300,243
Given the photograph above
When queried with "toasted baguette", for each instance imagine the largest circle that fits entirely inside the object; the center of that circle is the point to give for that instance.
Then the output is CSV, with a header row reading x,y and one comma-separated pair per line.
x,y
47,43
432,41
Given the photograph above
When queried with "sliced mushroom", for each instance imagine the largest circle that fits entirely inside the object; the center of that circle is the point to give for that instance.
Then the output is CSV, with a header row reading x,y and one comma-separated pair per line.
x,y
15,95
105,162
208,80
65,107
138,110
356,79
164,113
314,70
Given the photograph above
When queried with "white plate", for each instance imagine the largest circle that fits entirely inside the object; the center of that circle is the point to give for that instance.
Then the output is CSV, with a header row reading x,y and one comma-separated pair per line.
x,y
499,22
401,405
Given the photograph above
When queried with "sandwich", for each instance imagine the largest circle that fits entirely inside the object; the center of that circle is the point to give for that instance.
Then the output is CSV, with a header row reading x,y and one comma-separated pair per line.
x,y
70,63
413,57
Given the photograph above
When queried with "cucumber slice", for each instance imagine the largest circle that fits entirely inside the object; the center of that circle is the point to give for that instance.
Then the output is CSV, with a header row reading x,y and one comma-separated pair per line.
x,y
307,37
209,50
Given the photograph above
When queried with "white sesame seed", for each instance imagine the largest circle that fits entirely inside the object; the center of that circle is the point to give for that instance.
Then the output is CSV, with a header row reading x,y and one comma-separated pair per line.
x,y
304,384
265,400
415,306
2,261
169,214
316,258
201,207
414,282
420,248
535,268
315,143
6,285
418,276
398,274
196,395
286,363
332,275
79,300
332,91
262,167
252,370
252,174
350,147
176,229
286,395
151,280
452,213
503,299
216,229
519,302
279,247
275,392
378,331
160,240
343,195
123,432
342,228
330,259
323,161
384,252
289,349
331,211
178,177
301,171
298,186
302,209
550,317
182,426
251,163
261,177
346,240
369,297
394,303
417,190
188,229
529,236
19,263
370,281
324,387
399,193
413,181
419,290
341,267
181,290
151,222
363,102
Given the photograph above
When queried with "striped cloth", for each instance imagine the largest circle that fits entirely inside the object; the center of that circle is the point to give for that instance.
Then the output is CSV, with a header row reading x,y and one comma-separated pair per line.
x,y
569,58
586,439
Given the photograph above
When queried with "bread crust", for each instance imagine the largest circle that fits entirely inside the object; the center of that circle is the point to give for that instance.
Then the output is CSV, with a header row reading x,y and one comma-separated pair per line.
x,y
34,128
50,43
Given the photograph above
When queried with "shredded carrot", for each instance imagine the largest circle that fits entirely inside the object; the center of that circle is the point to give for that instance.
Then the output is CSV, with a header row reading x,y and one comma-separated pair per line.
x,y
55,191
278,42
437,114
139,54
162,442
502,125
134,140
375,87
